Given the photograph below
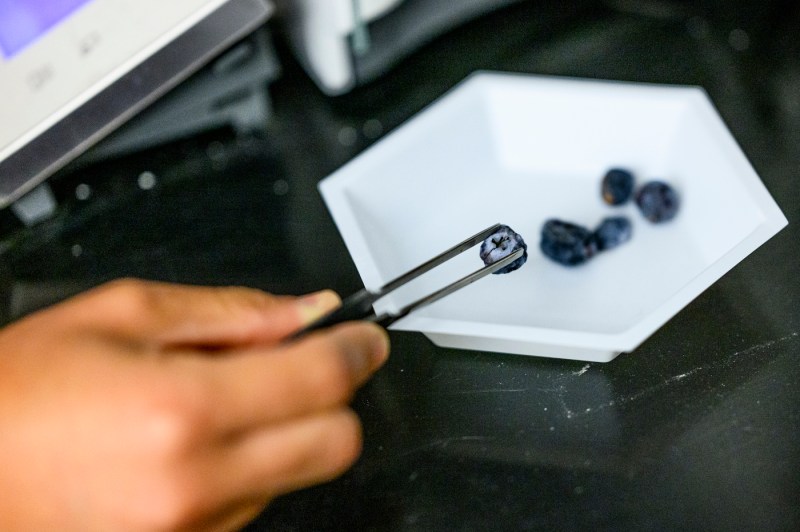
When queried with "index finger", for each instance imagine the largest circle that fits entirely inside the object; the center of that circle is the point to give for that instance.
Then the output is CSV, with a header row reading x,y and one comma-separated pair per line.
x,y
181,315
313,374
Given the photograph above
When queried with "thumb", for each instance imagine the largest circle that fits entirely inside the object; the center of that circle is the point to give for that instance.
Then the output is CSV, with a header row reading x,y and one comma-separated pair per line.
x,y
172,314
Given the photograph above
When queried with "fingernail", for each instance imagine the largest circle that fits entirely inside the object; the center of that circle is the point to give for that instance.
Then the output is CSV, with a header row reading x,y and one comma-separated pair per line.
x,y
313,306
380,349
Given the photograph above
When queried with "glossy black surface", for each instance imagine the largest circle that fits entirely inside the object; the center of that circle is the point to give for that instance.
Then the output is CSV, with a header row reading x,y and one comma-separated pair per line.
x,y
695,430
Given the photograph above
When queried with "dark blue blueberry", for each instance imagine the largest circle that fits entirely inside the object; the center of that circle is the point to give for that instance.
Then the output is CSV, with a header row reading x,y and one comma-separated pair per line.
x,y
617,186
501,244
567,243
612,232
657,201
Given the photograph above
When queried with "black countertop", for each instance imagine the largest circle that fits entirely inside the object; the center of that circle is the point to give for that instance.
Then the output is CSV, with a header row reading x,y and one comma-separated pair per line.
x,y
696,429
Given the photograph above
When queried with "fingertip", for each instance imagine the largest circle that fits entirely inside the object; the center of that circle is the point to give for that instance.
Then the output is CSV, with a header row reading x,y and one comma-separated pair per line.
x,y
301,452
337,445
381,346
367,341
313,306
349,443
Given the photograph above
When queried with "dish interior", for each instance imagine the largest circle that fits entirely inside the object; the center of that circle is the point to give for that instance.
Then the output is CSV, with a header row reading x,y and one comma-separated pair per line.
x,y
515,151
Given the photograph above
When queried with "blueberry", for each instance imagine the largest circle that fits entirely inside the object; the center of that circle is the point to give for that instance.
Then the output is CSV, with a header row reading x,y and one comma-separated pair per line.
x,y
612,232
503,243
567,243
617,186
657,201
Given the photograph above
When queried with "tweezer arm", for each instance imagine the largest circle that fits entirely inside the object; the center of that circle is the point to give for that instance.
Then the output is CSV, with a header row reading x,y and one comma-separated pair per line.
x,y
441,258
389,318
358,306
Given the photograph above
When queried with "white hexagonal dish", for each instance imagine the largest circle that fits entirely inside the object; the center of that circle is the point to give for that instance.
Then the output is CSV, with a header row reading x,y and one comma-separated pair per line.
x,y
519,149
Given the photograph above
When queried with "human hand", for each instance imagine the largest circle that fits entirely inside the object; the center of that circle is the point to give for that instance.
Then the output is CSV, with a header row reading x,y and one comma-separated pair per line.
x,y
149,406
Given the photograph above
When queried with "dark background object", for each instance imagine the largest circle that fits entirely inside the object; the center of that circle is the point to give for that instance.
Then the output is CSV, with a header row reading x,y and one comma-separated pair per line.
x,y
695,430
49,151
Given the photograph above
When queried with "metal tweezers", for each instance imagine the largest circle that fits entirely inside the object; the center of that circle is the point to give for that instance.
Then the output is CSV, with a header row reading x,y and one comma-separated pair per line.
x,y
358,306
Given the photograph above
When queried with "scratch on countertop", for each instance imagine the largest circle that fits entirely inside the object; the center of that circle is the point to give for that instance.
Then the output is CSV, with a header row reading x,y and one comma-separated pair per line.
x,y
444,442
488,390
467,392
758,348
431,379
762,346
560,390
560,396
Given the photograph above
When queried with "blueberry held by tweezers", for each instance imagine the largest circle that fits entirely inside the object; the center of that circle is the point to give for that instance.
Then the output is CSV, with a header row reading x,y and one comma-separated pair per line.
x,y
567,243
612,232
657,201
503,243
617,186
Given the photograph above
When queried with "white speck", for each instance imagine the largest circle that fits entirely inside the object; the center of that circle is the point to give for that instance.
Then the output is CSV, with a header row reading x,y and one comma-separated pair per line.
x,y
545,409
739,40
146,180
76,250
83,192
347,136
552,429
280,187
216,151
581,371
218,155
372,128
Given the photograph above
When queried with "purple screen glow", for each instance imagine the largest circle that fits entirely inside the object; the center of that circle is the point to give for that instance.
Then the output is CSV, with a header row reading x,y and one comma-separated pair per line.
x,y
22,21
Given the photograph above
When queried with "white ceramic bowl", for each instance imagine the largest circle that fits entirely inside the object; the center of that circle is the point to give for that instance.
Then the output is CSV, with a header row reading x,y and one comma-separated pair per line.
x,y
519,149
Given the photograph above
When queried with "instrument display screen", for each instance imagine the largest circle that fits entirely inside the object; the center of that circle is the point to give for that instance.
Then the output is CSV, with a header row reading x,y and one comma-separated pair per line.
x,y
23,21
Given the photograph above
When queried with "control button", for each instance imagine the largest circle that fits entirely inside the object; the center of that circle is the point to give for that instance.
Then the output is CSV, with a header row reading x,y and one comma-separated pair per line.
x,y
39,77
88,43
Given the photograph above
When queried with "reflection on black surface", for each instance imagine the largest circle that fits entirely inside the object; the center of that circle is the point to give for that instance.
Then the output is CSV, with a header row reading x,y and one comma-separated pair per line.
x,y
694,430
478,441
225,214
